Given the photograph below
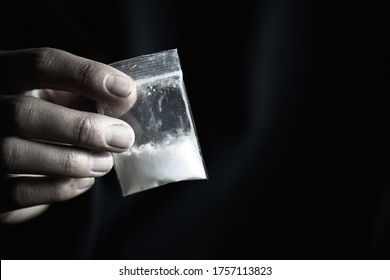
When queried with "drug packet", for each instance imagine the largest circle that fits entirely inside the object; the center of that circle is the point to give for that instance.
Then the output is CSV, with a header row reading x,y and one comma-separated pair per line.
x,y
166,147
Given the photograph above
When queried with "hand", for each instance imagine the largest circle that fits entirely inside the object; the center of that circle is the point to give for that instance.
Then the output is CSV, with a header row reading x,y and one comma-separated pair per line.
x,y
52,145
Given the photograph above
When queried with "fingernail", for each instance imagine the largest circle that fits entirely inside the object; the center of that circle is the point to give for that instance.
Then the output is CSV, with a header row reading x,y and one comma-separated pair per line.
x,y
85,183
119,85
119,136
101,162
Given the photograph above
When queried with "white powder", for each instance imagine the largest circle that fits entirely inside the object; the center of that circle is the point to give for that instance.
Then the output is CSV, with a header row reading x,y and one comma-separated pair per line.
x,y
149,166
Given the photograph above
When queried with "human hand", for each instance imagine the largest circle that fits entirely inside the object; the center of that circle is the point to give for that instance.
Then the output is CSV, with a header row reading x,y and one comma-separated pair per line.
x,y
52,145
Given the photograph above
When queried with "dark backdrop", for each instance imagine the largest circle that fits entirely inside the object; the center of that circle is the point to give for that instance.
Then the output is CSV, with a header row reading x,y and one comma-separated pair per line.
x,y
289,101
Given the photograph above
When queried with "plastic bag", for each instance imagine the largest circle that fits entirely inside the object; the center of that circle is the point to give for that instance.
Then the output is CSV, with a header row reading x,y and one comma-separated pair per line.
x,y
166,147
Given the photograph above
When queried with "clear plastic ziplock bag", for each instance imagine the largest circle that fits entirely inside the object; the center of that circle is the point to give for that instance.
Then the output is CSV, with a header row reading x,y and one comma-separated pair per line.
x,y
166,147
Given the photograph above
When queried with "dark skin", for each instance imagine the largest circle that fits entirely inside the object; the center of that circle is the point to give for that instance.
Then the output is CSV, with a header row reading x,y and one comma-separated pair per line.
x,y
53,144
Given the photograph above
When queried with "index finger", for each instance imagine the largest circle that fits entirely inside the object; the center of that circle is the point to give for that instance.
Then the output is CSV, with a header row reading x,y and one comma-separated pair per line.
x,y
56,69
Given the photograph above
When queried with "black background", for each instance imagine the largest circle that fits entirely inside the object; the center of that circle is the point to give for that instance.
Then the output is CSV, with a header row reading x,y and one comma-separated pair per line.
x,y
290,104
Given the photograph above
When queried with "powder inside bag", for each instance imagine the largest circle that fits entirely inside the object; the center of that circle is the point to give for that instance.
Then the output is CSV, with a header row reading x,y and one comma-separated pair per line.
x,y
173,160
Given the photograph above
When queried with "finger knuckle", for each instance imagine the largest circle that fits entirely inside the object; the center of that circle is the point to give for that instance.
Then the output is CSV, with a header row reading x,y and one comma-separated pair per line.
x,y
7,153
61,191
71,163
87,72
84,129
22,110
42,58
